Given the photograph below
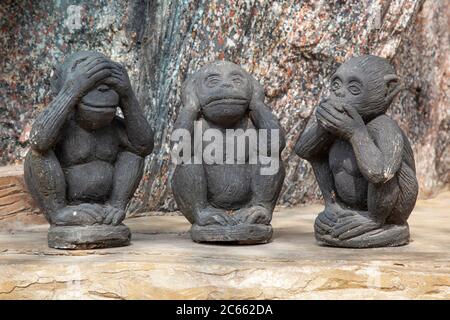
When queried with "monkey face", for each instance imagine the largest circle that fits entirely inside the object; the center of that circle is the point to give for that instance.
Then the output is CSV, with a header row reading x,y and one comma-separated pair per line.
x,y
367,83
98,107
349,86
224,92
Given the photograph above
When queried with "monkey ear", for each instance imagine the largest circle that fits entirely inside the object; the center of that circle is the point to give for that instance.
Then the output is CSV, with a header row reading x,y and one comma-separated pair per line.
x,y
393,87
56,80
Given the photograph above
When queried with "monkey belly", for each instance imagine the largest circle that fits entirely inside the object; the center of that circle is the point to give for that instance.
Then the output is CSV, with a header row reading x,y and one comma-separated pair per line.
x,y
90,181
229,185
350,184
352,190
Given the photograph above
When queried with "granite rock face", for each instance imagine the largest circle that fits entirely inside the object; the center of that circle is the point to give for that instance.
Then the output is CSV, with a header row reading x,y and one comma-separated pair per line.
x,y
289,46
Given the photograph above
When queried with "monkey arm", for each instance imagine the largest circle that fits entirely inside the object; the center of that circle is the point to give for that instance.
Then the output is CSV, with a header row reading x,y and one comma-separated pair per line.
x,y
313,145
46,129
190,109
186,120
314,141
263,118
138,131
378,148
324,178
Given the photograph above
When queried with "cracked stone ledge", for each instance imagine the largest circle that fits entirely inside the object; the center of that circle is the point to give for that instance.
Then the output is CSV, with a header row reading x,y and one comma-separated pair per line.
x,y
162,262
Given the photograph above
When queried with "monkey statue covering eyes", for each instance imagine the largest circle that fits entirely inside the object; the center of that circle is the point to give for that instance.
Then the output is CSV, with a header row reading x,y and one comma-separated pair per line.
x,y
85,162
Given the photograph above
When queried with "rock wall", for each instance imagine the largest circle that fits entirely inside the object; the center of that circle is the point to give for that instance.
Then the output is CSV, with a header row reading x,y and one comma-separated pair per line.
x,y
292,47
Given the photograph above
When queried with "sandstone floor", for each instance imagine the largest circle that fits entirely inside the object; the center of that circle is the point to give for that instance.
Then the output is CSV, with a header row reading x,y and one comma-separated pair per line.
x,y
162,263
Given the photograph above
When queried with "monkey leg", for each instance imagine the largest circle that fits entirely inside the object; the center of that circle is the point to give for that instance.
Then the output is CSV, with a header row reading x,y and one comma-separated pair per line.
x,y
266,187
45,181
374,227
128,171
408,190
189,186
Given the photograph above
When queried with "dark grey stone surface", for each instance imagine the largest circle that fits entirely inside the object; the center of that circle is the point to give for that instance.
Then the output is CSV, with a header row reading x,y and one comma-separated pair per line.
x,y
362,160
85,161
234,197
88,237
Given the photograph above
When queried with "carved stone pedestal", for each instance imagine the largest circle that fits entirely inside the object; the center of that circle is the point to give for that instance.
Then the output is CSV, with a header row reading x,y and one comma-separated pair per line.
x,y
88,237
239,234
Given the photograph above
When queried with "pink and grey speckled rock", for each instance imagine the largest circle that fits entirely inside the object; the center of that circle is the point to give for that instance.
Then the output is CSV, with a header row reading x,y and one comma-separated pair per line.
x,y
290,46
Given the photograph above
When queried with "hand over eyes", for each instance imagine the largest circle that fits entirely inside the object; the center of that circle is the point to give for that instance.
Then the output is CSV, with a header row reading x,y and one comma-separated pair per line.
x,y
89,73
119,80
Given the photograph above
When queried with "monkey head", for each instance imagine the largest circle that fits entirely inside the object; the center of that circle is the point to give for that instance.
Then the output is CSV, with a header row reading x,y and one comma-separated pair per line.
x,y
368,83
224,91
98,106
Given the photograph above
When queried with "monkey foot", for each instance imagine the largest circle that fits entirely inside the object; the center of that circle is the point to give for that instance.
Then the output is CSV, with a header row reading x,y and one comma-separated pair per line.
x,y
384,236
232,234
88,237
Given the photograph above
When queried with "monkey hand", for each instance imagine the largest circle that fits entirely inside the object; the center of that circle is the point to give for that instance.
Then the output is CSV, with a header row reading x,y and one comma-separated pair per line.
x,y
88,74
254,215
211,215
113,215
119,80
257,95
339,119
189,97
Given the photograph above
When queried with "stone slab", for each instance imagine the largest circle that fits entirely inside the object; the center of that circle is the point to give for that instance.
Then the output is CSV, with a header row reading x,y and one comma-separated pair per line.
x,y
239,234
162,262
16,205
88,237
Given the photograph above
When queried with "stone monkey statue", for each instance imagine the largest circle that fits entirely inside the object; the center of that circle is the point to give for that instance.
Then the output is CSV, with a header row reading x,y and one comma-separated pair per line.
x,y
227,202
85,162
362,160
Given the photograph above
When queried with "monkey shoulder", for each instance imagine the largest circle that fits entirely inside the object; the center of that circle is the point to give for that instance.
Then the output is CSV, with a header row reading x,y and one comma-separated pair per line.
x,y
314,141
390,141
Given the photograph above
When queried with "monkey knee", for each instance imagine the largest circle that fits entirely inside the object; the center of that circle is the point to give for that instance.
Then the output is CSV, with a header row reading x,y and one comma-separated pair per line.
x,y
270,166
45,180
130,162
409,189
43,168
189,170
129,156
188,178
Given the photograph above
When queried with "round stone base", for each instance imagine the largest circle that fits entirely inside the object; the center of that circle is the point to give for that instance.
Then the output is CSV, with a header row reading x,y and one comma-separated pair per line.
x,y
386,236
88,237
238,234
